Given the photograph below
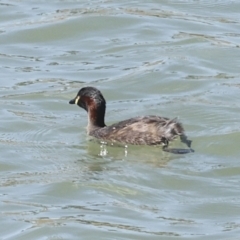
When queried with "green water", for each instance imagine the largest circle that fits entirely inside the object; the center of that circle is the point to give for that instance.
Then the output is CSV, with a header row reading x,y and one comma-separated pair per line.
x,y
174,59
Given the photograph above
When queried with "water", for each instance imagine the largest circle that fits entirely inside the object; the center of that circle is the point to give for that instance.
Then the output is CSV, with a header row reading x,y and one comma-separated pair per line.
x,y
175,59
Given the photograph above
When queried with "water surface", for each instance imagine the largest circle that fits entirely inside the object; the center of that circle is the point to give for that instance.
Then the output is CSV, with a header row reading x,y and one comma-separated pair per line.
x,y
157,57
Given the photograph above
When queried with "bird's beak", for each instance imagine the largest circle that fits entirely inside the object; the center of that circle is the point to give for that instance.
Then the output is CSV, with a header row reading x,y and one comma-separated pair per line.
x,y
75,100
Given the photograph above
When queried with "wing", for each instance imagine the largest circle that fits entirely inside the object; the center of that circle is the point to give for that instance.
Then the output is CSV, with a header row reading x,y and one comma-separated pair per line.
x,y
148,130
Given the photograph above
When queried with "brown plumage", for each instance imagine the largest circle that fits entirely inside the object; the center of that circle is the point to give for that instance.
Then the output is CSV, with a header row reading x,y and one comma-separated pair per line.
x,y
146,130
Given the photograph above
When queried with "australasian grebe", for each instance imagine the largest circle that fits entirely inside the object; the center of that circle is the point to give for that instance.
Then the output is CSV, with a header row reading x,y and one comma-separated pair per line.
x,y
146,130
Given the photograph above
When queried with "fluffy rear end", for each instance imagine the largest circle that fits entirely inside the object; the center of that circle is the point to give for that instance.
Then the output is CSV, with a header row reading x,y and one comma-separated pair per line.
x,y
173,129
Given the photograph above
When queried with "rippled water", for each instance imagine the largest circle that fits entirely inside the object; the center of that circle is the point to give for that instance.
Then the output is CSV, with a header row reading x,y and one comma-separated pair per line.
x,y
175,59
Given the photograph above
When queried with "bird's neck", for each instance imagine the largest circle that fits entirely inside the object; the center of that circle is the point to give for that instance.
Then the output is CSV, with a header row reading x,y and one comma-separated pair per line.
x,y
95,118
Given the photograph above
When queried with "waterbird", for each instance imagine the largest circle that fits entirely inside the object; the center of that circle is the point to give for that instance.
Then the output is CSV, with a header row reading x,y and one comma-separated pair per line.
x,y
143,130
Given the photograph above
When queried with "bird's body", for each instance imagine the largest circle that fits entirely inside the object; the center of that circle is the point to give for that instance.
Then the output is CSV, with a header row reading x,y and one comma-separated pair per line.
x,y
146,130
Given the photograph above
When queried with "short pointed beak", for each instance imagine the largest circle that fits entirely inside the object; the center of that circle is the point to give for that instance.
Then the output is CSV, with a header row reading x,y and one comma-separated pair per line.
x,y
72,101
75,100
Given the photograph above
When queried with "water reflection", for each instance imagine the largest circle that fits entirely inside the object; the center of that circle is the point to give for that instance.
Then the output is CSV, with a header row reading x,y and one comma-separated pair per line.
x,y
150,155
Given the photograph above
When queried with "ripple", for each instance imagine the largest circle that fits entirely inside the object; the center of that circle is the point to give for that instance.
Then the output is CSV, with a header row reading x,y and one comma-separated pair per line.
x,y
177,59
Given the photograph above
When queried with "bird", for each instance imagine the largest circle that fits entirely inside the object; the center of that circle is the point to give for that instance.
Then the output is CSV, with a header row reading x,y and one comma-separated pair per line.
x,y
142,130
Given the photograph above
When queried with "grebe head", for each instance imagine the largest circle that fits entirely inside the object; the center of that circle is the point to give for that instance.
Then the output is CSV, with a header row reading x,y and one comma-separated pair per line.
x,y
89,97
92,100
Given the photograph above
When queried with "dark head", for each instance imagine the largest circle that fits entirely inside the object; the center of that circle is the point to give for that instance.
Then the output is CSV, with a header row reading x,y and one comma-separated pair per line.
x,y
92,100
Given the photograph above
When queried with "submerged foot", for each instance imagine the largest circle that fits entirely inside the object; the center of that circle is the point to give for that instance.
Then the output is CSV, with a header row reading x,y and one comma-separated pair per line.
x,y
185,140
177,150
